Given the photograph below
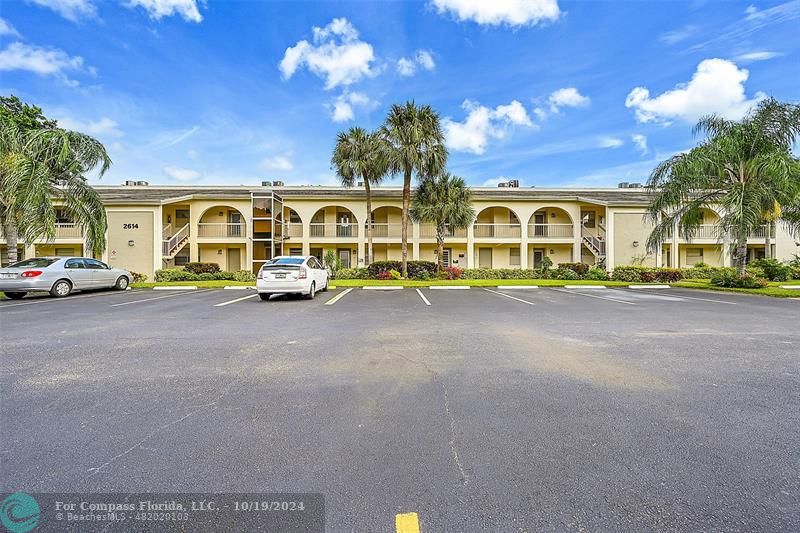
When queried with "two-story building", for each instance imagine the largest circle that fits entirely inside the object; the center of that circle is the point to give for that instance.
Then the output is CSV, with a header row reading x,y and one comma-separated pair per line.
x,y
238,227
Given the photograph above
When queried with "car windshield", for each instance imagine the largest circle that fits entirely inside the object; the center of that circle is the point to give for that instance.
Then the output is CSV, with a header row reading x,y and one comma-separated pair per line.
x,y
288,261
37,262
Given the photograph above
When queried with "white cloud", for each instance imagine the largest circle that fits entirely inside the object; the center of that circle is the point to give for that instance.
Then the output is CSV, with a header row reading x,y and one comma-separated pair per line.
x,y
762,55
181,174
97,128
344,106
336,54
641,142
514,13
483,123
422,59
72,10
567,97
7,29
41,61
278,162
609,142
676,36
716,87
157,9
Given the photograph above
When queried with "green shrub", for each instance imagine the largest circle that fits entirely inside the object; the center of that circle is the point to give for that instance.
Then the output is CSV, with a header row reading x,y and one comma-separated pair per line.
x,y
395,274
597,274
205,276
728,277
244,275
773,269
202,268
501,273
579,268
138,277
699,271
175,274
564,273
414,268
634,274
224,276
547,264
352,273
627,273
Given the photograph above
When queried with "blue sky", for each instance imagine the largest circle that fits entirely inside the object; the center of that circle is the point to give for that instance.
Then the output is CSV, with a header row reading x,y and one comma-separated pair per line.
x,y
553,93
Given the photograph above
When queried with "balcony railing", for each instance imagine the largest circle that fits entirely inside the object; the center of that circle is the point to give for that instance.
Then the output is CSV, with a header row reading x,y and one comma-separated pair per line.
x,y
428,231
221,230
68,231
333,229
294,229
386,230
497,231
550,231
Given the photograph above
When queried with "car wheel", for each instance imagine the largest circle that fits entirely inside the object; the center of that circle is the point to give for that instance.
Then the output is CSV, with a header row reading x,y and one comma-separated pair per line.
x,y
61,288
325,288
15,295
122,283
264,296
312,291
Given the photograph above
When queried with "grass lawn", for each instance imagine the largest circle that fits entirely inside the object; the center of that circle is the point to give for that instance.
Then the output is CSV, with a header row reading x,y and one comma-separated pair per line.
x,y
773,289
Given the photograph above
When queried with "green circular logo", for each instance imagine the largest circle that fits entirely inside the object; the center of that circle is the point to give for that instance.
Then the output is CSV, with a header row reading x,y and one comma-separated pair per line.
x,y
19,512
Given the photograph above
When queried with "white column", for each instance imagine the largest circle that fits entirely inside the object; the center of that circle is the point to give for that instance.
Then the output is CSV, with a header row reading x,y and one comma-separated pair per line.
x,y
523,248
470,255
306,238
414,240
609,239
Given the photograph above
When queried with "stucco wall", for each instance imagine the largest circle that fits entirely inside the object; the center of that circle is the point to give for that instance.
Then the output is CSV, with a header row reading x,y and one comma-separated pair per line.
x,y
130,224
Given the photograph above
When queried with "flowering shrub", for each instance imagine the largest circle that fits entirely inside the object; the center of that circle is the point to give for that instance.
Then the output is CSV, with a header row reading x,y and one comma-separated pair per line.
x,y
352,273
383,275
452,272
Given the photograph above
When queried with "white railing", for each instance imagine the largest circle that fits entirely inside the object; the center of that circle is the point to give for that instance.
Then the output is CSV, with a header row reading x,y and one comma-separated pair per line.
x,y
294,229
331,229
68,231
550,231
168,245
428,231
221,230
497,231
386,230
596,244
760,233
167,231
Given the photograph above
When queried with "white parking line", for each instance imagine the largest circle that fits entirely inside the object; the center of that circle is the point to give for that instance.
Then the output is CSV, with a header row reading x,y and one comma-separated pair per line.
x,y
449,287
681,295
182,293
423,297
594,296
509,296
229,302
338,297
44,300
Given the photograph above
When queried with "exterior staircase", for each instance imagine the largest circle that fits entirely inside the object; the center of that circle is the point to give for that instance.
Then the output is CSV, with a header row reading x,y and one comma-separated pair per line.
x,y
173,241
595,243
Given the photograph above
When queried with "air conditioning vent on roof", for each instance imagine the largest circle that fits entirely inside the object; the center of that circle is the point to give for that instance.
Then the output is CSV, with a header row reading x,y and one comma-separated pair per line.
x,y
509,183
277,184
634,185
142,183
265,184
622,185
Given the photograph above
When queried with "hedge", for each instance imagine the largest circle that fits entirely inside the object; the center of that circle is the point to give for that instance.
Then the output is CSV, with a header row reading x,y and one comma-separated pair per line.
x,y
415,268
179,274
202,268
638,274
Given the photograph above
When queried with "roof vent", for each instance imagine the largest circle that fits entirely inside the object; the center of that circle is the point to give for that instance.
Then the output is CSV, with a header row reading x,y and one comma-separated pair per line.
x,y
265,184
509,183
360,184
622,185
128,183
277,184
634,185
142,183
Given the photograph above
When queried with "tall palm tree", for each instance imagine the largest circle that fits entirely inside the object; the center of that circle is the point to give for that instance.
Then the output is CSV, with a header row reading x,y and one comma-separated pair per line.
x,y
415,145
360,154
40,166
445,201
743,168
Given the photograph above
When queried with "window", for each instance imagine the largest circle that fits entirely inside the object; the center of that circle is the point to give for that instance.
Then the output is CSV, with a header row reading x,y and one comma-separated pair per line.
x,y
295,251
513,257
95,264
447,253
65,251
588,218
181,214
694,255
38,262
288,261
74,264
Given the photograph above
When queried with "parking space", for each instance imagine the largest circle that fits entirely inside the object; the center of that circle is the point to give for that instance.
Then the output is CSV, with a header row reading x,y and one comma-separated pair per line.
x,y
512,409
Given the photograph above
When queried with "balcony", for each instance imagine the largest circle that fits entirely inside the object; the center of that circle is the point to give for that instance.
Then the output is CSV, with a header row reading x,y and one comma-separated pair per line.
x,y
428,231
550,231
497,231
333,230
221,230
294,230
64,230
715,232
384,230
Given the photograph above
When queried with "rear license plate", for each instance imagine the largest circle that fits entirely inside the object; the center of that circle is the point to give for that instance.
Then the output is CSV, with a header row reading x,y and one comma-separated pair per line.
x,y
280,276
7,276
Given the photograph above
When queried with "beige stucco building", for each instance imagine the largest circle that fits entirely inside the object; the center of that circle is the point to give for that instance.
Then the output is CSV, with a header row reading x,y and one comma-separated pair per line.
x,y
152,227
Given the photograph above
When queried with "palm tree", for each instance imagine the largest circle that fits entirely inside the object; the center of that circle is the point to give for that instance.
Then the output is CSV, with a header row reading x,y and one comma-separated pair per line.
x,y
415,145
743,168
360,154
445,201
38,166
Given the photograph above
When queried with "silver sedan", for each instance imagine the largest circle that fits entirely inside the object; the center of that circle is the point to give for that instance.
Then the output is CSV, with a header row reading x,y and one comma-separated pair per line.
x,y
60,276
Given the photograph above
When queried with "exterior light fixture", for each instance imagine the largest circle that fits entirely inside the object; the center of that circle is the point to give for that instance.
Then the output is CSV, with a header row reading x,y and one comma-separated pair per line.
x,y
635,244
131,242
219,252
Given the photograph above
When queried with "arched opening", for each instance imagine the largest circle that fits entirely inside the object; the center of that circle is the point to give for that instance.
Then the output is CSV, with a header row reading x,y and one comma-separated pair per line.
x,y
221,221
294,224
334,221
553,223
386,222
497,222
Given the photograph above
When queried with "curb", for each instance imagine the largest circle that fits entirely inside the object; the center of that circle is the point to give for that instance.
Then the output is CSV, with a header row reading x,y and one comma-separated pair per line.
x,y
448,287
387,288
238,287
516,287
585,287
794,287
648,286
176,288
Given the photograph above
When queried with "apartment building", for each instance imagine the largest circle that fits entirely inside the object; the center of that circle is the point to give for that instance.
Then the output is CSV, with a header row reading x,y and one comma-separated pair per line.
x,y
152,227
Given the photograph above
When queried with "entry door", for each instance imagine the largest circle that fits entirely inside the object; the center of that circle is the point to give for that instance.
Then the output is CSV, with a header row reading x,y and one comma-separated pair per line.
x,y
447,253
539,219
538,255
344,257
484,257
234,260
234,217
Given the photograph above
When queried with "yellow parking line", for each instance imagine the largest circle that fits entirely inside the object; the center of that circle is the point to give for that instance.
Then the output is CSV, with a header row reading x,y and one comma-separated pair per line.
x,y
338,297
407,523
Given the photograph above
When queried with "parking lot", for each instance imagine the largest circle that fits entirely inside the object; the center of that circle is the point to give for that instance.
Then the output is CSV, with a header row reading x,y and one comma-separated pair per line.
x,y
480,409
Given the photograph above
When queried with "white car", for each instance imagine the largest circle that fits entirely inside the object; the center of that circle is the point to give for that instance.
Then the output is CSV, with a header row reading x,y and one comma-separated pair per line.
x,y
292,274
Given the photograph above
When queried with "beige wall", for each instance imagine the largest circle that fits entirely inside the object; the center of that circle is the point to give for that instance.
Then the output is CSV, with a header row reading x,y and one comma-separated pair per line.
x,y
139,257
558,253
630,228
58,249
210,253
712,254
